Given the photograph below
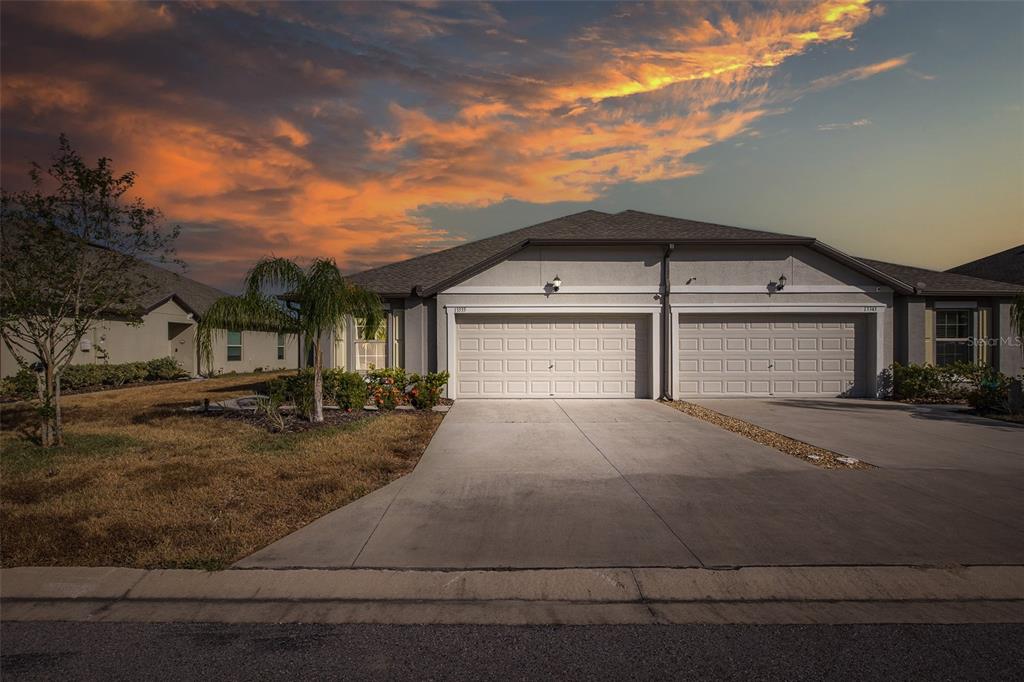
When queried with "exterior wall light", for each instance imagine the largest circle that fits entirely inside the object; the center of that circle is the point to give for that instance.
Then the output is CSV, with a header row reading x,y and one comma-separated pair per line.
x,y
782,283
556,283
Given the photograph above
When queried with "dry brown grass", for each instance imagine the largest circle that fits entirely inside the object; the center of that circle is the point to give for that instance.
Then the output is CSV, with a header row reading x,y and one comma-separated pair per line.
x,y
141,483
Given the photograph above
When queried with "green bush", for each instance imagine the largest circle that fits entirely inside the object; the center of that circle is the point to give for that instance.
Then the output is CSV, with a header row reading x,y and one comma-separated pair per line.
x,y
163,369
930,383
348,389
296,389
91,376
387,387
982,387
426,389
19,386
992,393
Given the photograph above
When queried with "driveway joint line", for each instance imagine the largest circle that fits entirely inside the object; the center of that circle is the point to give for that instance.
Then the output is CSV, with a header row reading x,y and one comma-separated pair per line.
x,y
630,484
405,480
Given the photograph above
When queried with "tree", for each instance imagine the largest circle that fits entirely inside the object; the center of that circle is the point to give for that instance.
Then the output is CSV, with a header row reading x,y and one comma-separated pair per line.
x,y
70,252
322,298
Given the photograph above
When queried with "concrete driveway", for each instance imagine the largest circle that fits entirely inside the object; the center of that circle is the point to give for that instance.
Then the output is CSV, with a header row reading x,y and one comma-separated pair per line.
x,y
589,483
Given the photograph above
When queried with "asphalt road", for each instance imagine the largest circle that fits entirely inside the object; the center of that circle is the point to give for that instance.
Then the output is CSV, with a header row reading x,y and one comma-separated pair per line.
x,y
113,651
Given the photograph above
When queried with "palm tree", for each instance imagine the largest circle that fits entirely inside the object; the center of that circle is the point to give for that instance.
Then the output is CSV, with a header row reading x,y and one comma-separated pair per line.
x,y
322,299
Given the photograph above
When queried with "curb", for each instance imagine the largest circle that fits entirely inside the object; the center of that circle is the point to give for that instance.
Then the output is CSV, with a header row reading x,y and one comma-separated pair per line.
x,y
840,594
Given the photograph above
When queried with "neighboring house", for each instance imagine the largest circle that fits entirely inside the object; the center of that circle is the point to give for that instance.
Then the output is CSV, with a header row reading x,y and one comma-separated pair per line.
x,y
639,305
1005,266
169,316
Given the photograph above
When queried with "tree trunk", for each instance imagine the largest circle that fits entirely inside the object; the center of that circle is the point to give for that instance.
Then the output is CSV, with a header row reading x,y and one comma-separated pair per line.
x,y
318,384
48,386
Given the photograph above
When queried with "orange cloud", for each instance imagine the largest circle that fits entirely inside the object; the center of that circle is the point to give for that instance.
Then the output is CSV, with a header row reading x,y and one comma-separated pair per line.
x,y
625,108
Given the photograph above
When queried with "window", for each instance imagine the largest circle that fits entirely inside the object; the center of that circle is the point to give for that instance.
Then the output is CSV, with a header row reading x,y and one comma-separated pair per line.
x,y
371,345
280,346
234,346
953,337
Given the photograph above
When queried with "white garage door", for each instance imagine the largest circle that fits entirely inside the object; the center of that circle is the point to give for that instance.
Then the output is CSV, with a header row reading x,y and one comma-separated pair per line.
x,y
771,355
552,356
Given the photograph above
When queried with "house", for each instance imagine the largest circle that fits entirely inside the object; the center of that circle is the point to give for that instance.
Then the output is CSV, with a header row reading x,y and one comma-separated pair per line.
x,y
170,313
1005,266
636,305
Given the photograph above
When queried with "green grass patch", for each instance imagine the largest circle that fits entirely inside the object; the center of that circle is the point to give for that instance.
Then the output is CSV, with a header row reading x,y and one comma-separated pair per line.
x,y
23,454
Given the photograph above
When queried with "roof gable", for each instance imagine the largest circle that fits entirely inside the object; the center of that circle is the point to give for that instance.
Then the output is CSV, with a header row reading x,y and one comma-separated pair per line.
x,y
432,272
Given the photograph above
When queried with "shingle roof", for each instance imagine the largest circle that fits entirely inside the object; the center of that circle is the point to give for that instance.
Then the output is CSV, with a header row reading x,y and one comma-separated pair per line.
x,y
425,275
195,296
1005,266
430,271
935,282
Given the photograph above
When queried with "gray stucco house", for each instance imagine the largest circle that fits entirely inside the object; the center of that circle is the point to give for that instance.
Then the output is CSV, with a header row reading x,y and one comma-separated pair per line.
x,y
170,312
639,305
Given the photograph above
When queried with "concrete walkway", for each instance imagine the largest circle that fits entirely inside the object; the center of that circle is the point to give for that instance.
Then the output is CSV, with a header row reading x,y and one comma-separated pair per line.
x,y
610,483
572,596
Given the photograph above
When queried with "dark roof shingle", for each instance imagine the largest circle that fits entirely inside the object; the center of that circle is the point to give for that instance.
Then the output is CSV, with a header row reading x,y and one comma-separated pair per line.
x,y
430,271
1005,266
425,275
936,282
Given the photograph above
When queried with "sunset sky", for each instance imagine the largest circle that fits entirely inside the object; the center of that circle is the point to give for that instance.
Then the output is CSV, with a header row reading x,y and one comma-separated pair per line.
x,y
374,132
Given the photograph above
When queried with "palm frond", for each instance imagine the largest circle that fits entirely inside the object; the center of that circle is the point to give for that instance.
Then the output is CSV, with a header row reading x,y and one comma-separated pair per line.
x,y
249,312
1017,315
276,273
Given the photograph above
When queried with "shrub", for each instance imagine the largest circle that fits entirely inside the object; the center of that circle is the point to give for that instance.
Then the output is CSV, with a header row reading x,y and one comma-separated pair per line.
x,y
348,389
162,369
991,394
296,389
387,387
929,383
19,386
90,376
426,389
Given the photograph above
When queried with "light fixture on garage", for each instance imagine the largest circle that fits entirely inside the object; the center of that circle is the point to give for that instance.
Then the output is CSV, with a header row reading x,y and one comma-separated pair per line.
x,y
782,283
556,283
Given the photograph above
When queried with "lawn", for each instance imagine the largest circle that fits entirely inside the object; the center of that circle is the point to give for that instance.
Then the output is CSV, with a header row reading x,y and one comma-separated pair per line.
x,y
142,483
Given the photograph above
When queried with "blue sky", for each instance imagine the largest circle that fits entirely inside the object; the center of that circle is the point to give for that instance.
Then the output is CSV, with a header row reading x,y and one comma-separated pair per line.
x,y
373,132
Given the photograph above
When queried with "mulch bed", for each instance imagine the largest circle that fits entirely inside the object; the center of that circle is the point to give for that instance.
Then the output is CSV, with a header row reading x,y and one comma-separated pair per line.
x,y
809,453
292,422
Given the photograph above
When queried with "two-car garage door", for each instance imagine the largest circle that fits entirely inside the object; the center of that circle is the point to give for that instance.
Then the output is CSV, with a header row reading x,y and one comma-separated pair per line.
x,y
545,356
609,356
771,355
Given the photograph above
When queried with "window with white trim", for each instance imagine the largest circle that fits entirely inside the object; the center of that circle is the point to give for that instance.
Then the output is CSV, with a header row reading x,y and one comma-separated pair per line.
x,y
953,334
234,346
371,345
280,346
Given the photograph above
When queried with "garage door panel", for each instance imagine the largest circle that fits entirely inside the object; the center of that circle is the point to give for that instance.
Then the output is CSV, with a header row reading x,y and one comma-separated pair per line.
x,y
791,355
538,356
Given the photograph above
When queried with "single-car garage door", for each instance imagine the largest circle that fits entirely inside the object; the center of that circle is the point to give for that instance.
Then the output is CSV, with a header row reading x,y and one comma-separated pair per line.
x,y
552,356
772,355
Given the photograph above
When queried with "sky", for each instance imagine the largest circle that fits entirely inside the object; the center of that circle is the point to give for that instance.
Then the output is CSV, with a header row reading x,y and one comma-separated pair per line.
x,y
373,132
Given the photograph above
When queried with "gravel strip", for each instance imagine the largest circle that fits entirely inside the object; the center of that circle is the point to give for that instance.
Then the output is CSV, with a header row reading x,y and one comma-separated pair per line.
x,y
809,453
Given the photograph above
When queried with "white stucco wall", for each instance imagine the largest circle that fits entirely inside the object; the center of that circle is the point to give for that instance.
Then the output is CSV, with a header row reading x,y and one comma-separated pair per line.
x,y
716,276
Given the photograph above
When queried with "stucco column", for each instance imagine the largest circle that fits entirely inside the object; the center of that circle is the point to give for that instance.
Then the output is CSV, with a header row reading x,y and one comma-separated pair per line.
x,y
910,332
